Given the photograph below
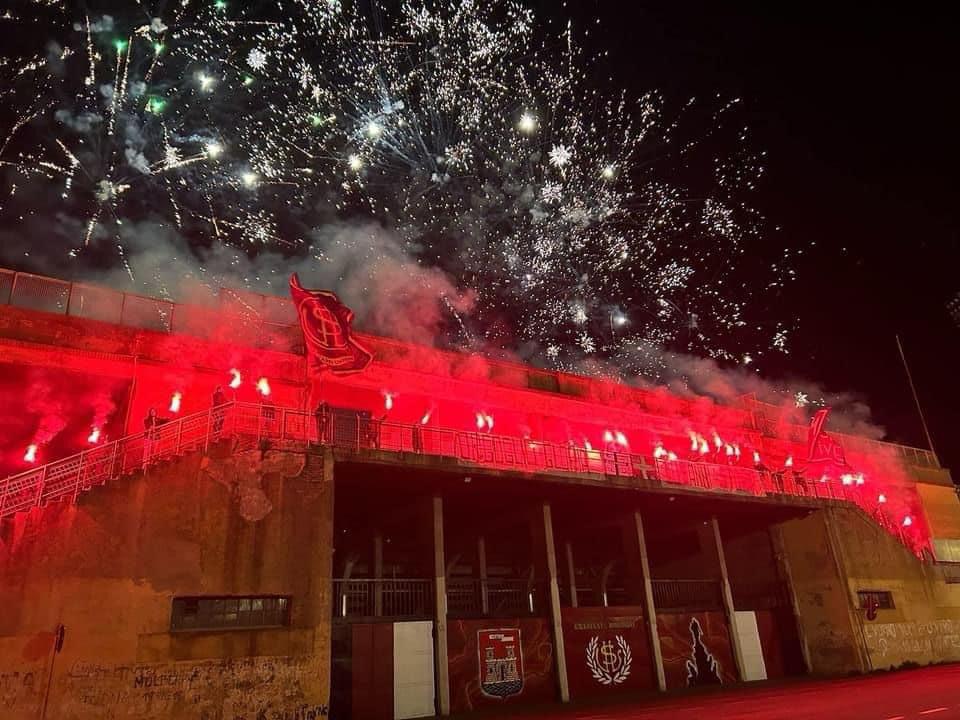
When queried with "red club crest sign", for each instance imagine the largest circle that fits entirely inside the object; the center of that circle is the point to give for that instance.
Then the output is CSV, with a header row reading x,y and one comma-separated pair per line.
x,y
501,662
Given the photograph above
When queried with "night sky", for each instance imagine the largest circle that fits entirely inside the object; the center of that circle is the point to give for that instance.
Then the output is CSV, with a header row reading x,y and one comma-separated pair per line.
x,y
858,112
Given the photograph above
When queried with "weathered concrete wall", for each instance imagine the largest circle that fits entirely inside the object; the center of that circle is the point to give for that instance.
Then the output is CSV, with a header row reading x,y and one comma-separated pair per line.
x,y
821,595
924,624
108,568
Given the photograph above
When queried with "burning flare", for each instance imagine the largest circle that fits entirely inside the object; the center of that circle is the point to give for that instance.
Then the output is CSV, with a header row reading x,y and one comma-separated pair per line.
x,y
175,402
263,387
236,380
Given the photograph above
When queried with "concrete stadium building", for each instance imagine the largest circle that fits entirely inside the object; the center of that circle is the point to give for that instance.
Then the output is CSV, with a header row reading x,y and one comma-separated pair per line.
x,y
436,534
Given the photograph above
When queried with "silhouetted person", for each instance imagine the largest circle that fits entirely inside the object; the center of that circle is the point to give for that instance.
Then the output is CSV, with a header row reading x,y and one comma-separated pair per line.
x,y
219,399
373,431
152,423
151,428
322,415
417,438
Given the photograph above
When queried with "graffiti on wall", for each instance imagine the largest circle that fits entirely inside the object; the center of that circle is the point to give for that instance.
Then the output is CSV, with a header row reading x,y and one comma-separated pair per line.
x,y
891,644
696,649
493,662
263,688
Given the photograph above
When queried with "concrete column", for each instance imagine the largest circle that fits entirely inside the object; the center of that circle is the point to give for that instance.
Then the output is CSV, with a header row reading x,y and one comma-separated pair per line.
x,y
853,609
555,605
786,577
572,573
482,562
728,598
649,609
440,617
378,574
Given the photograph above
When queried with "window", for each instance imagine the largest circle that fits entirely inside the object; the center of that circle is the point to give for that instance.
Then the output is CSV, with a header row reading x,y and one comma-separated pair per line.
x,y
226,613
881,599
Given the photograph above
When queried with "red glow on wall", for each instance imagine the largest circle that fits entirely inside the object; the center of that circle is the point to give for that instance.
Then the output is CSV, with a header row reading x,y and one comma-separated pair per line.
x,y
464,393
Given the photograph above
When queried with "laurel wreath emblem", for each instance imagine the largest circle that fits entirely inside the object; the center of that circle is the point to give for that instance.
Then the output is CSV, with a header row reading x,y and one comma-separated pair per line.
x,y
602,674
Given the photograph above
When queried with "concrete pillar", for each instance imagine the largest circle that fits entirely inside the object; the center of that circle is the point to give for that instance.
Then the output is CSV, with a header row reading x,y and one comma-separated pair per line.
x,y
649,608
728,598
572,574
555,605
440,614
786,577
482,562
378,574
853,609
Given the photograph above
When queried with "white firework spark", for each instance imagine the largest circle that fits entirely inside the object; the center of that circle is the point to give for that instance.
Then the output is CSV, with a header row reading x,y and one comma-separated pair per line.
x,y
253,129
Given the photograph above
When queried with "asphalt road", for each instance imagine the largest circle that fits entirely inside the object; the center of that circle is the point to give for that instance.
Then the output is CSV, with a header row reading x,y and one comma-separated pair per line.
x,y
924,694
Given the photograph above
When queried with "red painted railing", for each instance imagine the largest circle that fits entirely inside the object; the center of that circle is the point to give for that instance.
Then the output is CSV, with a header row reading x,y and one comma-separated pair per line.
x,y
287,427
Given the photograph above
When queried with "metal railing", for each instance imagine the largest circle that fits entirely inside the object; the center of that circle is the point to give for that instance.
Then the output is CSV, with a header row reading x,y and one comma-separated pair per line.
x,y
687,595
495,597
383,598
66,478
262,321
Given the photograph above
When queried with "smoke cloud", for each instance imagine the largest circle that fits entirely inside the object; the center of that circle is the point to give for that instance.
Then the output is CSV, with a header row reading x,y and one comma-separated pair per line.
x,y
393,294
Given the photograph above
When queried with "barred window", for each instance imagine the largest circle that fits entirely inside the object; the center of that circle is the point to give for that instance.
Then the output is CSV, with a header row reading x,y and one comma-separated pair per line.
x,y
881,599
229,612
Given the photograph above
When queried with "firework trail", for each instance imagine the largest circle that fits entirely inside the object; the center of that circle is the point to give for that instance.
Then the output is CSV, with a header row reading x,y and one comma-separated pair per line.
x,y
465,127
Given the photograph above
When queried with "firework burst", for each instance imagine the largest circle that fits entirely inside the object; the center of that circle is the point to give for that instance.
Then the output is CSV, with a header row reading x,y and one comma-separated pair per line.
x,y
485,147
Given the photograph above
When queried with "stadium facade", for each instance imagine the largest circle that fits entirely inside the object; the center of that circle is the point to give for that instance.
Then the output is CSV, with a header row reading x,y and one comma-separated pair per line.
x,y
434,533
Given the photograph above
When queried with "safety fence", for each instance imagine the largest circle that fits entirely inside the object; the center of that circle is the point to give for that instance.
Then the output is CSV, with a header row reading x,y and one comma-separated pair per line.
x,y
687,595
407,598
262,321
264,422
